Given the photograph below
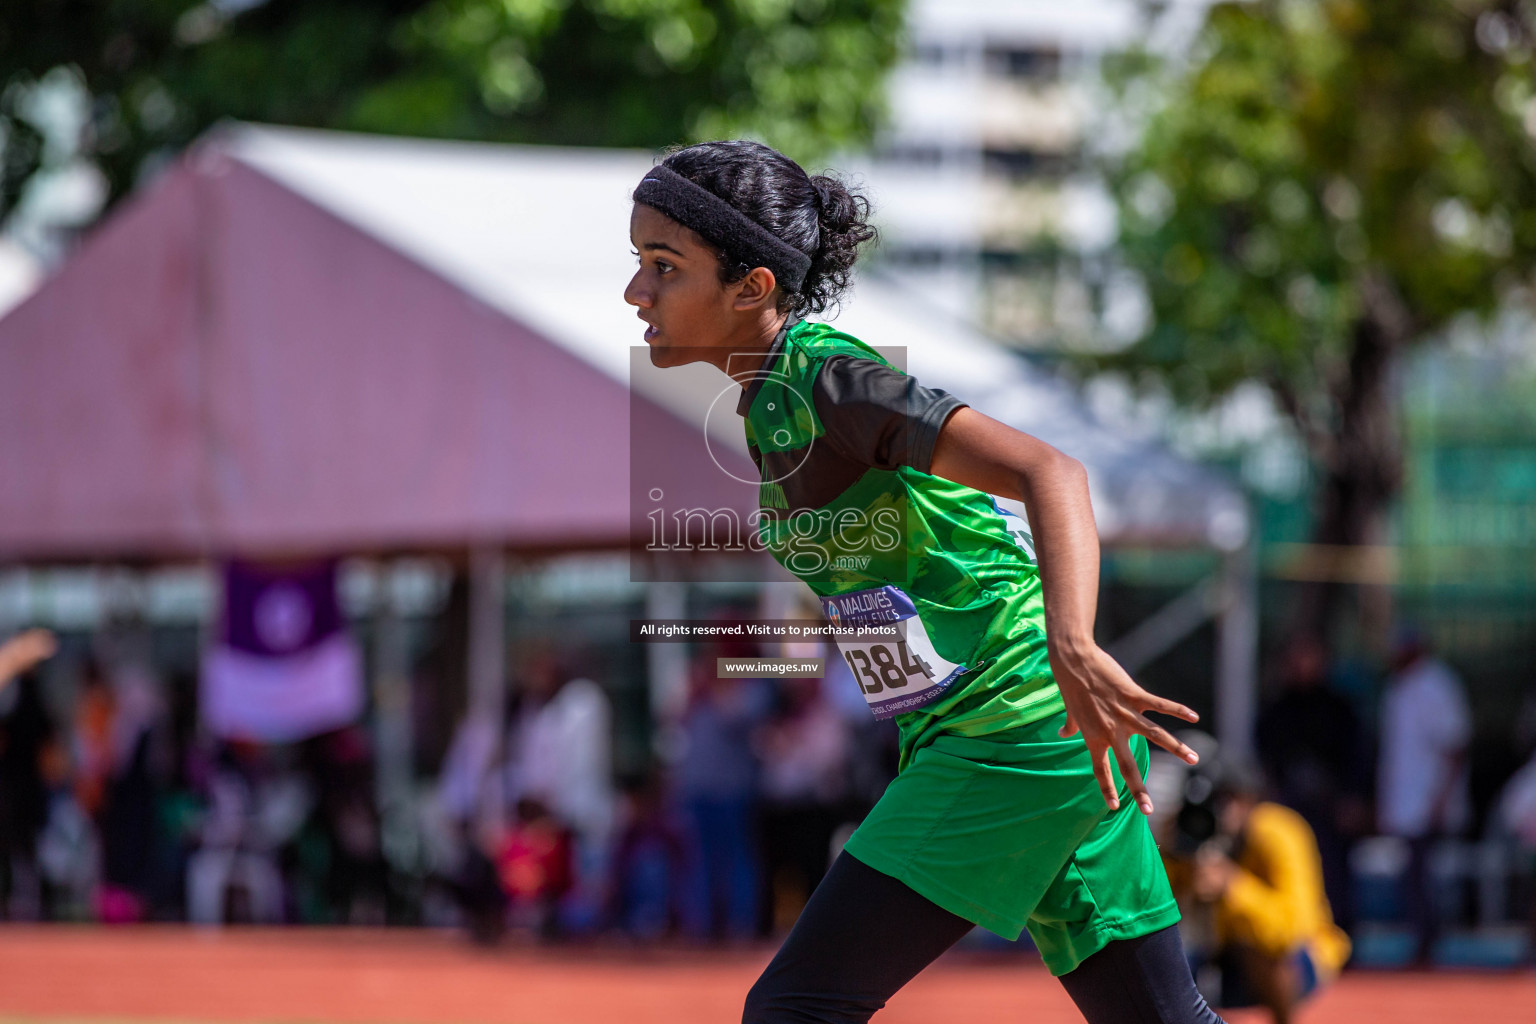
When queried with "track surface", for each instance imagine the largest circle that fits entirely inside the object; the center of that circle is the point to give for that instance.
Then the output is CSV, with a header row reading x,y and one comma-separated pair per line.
x,y
410,977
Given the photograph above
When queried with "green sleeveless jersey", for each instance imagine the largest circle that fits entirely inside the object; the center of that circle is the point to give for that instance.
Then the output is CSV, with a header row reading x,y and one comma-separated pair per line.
x,y
843,442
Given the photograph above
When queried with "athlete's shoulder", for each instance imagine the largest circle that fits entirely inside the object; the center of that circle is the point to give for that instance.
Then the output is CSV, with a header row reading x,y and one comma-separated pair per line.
x,y
870,411
819,342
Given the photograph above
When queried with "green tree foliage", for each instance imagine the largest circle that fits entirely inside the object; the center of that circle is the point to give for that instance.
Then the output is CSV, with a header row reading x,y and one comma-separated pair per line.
x,y
1322,184
805,75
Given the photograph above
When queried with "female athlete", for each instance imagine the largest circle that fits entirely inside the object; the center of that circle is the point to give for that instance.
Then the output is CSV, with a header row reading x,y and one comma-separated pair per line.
x,y
1022,743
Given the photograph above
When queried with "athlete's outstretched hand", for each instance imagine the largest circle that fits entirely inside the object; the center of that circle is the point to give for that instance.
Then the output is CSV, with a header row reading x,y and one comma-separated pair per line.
x,y
1107,707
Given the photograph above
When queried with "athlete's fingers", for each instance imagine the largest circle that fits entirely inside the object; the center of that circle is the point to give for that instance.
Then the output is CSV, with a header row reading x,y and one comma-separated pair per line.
x,y
1165,739
1132,773
1106,777
1164,706
1070,728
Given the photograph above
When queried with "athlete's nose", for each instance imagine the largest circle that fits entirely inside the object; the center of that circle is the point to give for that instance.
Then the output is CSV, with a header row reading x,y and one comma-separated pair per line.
x,y
637,295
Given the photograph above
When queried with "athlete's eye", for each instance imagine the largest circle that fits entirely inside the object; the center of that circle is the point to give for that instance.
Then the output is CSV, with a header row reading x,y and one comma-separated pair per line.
x,y
661,265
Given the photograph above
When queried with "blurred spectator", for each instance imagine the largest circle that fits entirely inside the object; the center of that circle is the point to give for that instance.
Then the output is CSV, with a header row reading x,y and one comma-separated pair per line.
x,y
355,879
1516,815
1422,780
534,864
559,748
189,757
25,734
467,805
91,740
127,818
67,851
1313,751
115,787
874,744
559,755
804,749
716,783
477,887
1257,867
256,806
468,788
654,870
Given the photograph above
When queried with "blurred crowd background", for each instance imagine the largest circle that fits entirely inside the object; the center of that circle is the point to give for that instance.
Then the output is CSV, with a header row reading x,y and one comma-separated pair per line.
x,y
1287,246
120,807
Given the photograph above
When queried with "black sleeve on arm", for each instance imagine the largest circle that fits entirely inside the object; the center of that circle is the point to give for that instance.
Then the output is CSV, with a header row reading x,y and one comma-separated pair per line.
x,y
877,416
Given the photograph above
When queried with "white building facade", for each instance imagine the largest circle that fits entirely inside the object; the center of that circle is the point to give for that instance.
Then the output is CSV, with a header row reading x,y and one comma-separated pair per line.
x,y
985,193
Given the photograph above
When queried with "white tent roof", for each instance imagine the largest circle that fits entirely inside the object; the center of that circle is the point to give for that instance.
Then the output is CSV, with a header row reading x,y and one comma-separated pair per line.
x,y
542,234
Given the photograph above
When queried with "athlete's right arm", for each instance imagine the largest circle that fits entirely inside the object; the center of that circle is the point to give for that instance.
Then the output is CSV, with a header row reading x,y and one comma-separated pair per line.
x,y
1103,702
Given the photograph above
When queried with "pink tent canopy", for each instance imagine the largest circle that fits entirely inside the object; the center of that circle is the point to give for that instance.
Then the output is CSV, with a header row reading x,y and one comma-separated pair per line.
x,y
227,366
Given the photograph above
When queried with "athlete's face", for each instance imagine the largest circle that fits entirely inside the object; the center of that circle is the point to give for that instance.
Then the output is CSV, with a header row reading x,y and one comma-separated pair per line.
x,y
691,315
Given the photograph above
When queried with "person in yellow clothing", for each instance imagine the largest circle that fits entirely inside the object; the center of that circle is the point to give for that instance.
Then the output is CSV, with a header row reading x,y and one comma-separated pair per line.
x,y
1258,870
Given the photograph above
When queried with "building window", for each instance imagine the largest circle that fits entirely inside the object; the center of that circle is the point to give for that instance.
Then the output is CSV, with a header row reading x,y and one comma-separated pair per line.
x,y
1027,64
1025,163
912,154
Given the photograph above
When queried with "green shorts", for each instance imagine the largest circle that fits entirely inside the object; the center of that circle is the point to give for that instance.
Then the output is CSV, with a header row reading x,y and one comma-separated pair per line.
x,y
1010,831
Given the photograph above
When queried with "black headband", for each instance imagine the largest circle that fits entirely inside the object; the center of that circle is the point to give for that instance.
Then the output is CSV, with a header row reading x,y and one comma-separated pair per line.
x,y
694,206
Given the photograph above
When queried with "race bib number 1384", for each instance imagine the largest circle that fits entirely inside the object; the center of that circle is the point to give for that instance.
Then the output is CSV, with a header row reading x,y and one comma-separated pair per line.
x,y
894,663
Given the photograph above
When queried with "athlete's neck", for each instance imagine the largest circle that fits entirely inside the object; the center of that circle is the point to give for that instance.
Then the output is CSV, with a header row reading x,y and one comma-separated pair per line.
x,y
743,356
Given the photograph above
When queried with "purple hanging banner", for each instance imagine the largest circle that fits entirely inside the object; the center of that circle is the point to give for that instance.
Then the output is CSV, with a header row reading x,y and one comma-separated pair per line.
x,y
285,667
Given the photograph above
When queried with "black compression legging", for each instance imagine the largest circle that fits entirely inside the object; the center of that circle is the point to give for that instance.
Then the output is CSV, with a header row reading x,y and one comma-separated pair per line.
x,y
863,935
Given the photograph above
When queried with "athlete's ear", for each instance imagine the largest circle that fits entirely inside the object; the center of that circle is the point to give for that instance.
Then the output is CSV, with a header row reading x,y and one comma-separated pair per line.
x,y
755,290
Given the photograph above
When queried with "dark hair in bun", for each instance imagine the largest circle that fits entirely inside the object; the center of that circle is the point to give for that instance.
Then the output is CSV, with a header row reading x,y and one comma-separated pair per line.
x,y
817,214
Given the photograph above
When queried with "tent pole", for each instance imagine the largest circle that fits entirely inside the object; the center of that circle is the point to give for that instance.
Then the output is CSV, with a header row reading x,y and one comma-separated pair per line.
x,y
487,648
1237,652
